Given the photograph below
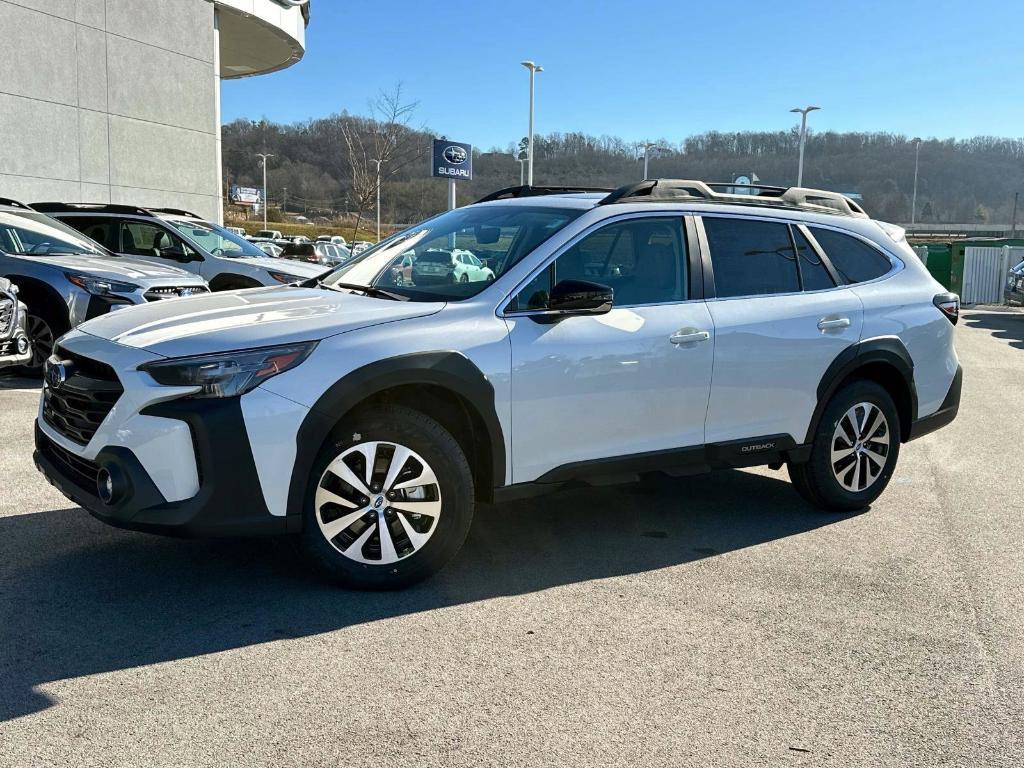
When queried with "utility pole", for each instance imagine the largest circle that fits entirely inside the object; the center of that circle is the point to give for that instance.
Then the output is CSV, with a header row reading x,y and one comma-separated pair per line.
x,y
263,162
913,203
803,138
1013,224
284,206
377,162
534,69
647,147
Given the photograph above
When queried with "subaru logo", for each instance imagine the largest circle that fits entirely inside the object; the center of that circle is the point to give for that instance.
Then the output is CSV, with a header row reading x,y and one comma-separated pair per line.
x,y
455,155
56,373
377,504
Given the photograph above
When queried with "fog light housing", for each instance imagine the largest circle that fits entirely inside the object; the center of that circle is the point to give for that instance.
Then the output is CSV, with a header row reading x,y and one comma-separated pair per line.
x,y
111,485
22,345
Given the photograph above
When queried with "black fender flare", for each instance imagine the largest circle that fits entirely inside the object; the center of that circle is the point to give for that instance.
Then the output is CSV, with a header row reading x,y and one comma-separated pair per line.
x,y
885,349
450,370
30,289
231,282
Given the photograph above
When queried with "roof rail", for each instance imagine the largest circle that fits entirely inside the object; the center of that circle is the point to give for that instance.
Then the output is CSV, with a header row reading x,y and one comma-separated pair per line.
x,y
509,193
52,207
175,212
13,203
661,190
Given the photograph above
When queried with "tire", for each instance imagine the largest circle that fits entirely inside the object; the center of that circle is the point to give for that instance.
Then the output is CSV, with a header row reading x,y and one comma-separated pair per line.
x,y
354,556
464,278
43,329
858,476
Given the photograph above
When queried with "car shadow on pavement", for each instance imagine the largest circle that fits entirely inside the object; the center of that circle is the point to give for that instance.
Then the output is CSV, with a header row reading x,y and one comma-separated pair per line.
x,y
80,598
1008,326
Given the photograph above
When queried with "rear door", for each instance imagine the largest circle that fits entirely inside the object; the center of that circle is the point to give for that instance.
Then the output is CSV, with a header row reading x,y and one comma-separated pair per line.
x,y
781,316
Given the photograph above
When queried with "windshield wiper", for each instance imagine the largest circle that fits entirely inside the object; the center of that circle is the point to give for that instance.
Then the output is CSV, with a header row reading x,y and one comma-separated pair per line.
x,y
369,290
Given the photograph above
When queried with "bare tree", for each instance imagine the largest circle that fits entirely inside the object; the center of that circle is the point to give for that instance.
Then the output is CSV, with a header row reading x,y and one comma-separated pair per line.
x,y
383,144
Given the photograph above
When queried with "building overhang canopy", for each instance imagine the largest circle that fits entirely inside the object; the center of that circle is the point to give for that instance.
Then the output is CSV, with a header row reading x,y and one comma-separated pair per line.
x,y
259,36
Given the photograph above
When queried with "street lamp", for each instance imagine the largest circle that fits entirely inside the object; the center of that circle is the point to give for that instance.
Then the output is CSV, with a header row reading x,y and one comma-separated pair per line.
x,y
913,204
376,162
803,138
522,168
534,69
648,145
263,163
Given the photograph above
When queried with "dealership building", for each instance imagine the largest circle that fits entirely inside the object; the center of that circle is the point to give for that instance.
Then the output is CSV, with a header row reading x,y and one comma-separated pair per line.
x,y
119,100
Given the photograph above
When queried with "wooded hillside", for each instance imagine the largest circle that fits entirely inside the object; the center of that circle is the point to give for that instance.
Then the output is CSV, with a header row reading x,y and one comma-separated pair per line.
x,y
324,166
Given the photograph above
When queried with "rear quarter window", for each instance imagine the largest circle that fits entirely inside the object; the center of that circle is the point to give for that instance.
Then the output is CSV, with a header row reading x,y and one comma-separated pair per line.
x,y
854,260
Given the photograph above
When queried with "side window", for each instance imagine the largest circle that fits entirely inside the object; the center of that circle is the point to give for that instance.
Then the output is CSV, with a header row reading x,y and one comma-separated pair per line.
x,y
103,231
142,239
642,260
854,260
751,258
813,274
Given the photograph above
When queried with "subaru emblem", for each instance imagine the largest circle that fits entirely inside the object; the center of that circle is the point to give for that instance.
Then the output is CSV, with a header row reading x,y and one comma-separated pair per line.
x,y
56,373
455,155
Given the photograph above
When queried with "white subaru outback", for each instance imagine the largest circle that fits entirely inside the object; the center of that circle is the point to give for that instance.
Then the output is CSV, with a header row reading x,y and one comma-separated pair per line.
x,y
662,327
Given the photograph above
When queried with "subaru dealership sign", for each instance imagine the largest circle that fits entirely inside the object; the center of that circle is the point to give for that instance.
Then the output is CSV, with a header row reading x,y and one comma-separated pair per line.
x,y
452,160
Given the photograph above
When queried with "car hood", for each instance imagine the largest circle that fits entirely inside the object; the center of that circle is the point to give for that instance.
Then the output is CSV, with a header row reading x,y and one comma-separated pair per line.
x,y
257,317
119,268
298,268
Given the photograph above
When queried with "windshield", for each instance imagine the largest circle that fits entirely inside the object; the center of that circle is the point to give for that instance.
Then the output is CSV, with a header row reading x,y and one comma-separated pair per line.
x,y
35,234
454,255
216,240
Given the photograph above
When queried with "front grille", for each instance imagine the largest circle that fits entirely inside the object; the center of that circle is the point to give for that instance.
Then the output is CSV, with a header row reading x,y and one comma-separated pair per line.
x,y
78,406
79,471
174,291
6,316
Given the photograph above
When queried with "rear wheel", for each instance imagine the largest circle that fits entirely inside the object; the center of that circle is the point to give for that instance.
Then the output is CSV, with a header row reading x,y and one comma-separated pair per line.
x,y
854,451
390,501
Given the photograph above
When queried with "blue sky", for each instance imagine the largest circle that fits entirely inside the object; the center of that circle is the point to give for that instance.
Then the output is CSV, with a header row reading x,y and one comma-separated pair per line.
x,y
657,68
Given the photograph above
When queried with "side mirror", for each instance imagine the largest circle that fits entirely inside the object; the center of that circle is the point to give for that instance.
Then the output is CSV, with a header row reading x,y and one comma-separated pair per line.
x,y
580,297
177,253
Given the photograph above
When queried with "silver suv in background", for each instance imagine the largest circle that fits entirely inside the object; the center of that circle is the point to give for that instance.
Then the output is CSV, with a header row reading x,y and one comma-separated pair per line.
x,y
66,279
15,348
173,237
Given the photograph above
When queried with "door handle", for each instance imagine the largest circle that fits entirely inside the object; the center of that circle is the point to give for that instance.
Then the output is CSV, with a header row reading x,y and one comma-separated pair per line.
x,y
688,335
831,323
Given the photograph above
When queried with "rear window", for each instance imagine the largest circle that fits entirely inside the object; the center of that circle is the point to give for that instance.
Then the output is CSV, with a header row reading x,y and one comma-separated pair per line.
x,y
751,258
854,260
440,257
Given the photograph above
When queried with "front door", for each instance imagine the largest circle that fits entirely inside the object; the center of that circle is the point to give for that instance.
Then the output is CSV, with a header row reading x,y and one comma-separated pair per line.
x,y
156,244
632,381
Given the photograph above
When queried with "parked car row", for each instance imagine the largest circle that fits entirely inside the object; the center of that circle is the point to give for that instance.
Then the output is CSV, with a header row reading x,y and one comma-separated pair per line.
x,y
71,262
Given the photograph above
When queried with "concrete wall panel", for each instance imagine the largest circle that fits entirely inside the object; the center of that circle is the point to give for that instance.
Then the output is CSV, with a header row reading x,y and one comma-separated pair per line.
x,y
143,155
92,68
92,13
39,139
29,189
26,70
207,206
153,84
93,141
185,26
63,8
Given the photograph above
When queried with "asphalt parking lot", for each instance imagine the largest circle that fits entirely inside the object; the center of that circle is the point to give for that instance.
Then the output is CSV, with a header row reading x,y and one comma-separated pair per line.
x,y
710,621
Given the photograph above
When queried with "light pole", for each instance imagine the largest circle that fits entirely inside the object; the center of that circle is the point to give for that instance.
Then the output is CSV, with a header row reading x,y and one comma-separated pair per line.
x,y
648,146
803,138
376,162
534,69
263,162
522,169
913,204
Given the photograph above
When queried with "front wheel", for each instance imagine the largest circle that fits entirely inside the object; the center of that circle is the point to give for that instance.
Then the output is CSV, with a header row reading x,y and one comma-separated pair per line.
x,y
390,501
42,333
854,451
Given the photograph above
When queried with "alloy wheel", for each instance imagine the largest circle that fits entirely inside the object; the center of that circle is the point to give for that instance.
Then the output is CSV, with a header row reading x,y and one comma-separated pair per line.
x,y
41,336
860,447
378,503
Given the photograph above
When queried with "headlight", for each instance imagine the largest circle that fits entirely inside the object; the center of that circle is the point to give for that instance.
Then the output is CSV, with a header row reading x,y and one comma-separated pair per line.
x,y
97,286
229,373
284,277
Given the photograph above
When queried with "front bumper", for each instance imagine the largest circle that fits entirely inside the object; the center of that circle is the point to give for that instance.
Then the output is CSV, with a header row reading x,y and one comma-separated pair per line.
x,y
10,353
229,501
